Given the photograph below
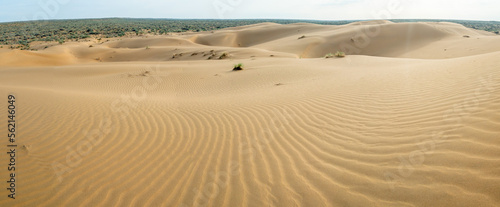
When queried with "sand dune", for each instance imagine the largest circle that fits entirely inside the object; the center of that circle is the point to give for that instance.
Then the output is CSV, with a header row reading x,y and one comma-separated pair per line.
x,y
410,118
302,40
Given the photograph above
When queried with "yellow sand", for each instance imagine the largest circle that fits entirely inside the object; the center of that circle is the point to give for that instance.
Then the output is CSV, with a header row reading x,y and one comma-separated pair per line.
x,y
411,117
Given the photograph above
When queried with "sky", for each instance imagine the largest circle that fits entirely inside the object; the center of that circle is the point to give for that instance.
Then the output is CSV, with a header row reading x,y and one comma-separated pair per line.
x,y
22,10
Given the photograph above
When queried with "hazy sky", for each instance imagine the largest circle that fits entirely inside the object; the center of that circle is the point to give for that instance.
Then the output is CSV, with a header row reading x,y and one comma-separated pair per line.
x,y
20,10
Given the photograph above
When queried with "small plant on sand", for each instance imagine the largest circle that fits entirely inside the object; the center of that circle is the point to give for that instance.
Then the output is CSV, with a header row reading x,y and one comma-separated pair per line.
x,y
337,54
340,54
302,37
91,45
147,47
212,56
238,66
224,55
175,55
145,73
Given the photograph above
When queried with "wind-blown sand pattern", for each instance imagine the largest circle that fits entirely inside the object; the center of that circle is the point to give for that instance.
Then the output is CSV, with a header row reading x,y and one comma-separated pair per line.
x,y
412,119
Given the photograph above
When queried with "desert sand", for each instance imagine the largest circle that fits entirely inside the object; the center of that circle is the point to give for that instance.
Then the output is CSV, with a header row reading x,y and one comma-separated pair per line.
x,y
410,117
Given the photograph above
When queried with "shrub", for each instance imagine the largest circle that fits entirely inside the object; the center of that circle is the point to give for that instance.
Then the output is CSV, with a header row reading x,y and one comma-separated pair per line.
x,y
302,37
176,55
212,55
238,66
337,54
340,54
224,55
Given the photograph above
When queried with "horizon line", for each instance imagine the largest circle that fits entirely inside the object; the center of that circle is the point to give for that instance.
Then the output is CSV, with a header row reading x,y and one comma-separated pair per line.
x,y
166,18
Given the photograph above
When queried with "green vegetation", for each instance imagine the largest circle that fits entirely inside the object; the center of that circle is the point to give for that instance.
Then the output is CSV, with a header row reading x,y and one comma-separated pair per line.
x,y
340,54
238,66
21,34
223,56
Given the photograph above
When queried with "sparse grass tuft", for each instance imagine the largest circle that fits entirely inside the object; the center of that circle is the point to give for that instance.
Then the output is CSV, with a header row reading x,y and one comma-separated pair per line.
x,y
144,73
340,54
175,55
238,66
223,56
302,37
